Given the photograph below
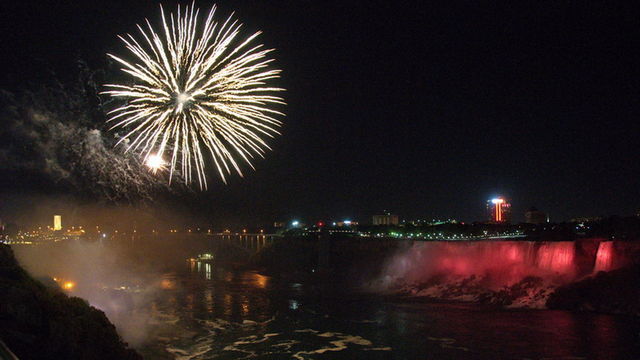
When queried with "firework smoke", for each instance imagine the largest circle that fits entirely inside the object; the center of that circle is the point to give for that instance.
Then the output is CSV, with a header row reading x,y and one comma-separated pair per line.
x,y
198,93
54,134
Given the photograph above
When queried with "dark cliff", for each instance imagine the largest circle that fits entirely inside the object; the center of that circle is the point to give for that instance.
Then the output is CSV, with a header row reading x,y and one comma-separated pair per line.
x,y
615,292
37,322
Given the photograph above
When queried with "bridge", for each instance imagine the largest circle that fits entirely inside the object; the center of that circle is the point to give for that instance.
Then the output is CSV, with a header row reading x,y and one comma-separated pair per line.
x,y
246,242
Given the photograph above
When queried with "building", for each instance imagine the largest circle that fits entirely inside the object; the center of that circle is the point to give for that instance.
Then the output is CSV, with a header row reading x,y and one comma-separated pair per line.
x,y
386,219
535,216
499,210
57,222
586,219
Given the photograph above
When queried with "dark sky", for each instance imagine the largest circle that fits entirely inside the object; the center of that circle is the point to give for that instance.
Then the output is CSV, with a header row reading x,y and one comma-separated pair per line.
x,y
427,110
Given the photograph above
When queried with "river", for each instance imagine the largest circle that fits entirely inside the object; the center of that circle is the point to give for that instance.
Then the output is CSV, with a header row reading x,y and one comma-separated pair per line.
x,y
169,307
208,312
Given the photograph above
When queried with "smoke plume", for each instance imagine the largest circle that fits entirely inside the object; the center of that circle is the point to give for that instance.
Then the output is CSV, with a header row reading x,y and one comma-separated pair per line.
x,y
57,135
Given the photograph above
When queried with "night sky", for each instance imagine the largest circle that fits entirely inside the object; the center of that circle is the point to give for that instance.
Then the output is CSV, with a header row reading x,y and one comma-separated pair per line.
x,y
425,110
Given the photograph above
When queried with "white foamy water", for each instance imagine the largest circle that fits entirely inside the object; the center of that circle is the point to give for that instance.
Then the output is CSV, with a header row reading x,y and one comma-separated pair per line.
x,y
225,340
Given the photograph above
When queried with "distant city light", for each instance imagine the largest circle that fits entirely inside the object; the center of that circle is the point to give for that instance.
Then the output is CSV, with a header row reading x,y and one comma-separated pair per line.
x,y
295,223
57,222
497,201
347,222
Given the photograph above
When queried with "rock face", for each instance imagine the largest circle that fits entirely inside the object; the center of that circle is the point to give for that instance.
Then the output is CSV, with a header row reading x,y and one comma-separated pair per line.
x,y
37,322
616,292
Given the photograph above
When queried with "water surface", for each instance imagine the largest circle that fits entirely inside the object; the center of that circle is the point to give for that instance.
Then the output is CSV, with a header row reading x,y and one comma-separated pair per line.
x,y
206,312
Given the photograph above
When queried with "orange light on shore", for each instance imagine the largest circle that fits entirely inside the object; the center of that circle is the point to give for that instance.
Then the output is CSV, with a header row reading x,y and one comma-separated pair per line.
x,y
167,284
68,285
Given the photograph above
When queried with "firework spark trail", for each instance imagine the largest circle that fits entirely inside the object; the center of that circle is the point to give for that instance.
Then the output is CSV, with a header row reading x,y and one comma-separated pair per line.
x,y
197,91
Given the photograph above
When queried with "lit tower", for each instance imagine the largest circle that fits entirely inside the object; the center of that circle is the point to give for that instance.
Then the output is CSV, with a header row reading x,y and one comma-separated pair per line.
x,y
57,222
499,210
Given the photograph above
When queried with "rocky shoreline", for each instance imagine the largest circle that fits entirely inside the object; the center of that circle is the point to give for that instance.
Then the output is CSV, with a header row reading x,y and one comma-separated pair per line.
x,y
613,292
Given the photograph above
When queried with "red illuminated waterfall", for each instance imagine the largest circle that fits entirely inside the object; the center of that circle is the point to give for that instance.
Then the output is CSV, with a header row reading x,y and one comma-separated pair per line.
x,y
604,257
525,271
612,255
500,262
557,257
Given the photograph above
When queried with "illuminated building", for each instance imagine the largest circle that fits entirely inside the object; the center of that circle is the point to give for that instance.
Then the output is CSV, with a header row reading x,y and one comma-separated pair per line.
x,y
57,222
586,219
386,219
499,210
535,216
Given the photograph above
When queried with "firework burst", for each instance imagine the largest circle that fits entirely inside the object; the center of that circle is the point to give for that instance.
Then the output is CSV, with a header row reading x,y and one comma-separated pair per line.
x,y
197,92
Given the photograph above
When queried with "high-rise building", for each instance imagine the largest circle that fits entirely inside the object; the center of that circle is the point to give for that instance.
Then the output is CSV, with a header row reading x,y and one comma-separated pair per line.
x,y
535,216
499,210
386,219
57,222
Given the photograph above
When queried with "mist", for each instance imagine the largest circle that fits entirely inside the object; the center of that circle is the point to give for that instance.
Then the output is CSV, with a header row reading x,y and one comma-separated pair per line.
x,y
120,274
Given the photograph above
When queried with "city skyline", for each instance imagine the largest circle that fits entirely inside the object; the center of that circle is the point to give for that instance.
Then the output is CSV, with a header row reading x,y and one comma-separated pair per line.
x,y
497,211
32,213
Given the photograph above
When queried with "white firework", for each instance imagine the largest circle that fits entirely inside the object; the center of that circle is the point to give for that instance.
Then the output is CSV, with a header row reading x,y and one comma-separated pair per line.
x,y
196,92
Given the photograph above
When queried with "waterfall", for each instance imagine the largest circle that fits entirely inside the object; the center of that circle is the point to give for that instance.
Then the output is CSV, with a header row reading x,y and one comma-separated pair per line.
x,y
508,272
604,257
557,258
